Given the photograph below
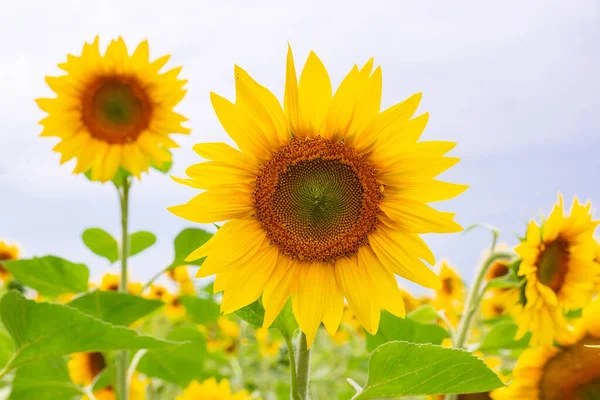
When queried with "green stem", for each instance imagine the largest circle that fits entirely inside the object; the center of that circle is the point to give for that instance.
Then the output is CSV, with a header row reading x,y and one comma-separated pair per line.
x,y
292,358
303,367
123,356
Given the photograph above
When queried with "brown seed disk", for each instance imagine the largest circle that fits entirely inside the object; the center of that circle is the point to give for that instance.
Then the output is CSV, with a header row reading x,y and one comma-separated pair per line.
x,y
317,200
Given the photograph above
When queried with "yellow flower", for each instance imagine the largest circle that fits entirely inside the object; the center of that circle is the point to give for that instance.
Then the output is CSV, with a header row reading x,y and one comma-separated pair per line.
x,y
158,292
211,390
7,253
84,367
325,198
558,264
222,337
137,390
497,269
450,296
174,309
113,110
228,327
110,283
568,371
181,276
499,302
269,347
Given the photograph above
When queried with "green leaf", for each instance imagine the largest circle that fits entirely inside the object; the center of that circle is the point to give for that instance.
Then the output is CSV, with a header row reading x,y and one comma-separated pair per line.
x,y
285,322
50,275
186,242
7,347
44,330
181,364
394,328
425,314
114,307
163,167
140,241
101,243
408,369
502,336
507,281
199,310
45,379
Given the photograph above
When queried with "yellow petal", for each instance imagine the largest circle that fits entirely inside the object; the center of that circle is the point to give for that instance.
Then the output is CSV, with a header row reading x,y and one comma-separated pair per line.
x,y
278,289
426,191
416,217
111,162
213,174
342,106
216,205
368,104
247,228
314,97
290,97
226,154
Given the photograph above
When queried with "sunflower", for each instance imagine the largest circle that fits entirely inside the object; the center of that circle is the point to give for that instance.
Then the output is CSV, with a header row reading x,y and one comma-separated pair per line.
x,y
158,292
114,110
211,390
110,283
85,367
223,337
499,302
181,276
569,371
174,309
325,198
498,269
450,296
269,346
7,253
137,390
558,264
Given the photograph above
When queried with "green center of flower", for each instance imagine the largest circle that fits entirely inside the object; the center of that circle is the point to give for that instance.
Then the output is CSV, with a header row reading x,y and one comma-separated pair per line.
x,y
317,200
116,109
573,374
553,264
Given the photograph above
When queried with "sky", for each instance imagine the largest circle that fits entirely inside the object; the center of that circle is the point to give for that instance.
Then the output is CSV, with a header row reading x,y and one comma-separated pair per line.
x,y
514,83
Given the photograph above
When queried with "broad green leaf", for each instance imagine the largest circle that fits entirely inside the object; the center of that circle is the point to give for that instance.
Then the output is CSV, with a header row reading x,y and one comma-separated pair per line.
x,y
186,242
140,241
425,314
7,347
409,369
180,364
285,322
45,379
101,243
502,336
50,276
114,307
44,330
199,310
394,328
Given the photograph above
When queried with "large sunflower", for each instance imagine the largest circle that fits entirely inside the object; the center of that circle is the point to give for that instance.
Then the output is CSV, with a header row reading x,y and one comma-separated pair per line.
x,y
569,371
7,253
114,110
558,264
325,198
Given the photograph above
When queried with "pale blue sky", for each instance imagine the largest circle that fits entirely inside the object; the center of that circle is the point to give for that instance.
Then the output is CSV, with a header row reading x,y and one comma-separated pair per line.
x,y
515,83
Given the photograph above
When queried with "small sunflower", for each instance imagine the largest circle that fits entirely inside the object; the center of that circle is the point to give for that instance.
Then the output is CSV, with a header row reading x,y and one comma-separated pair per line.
x,y
137,390
110,283
498,269
222,337
174,309
269,346
85,367
499,302
558,264
569,371
7,253
158,292
450,297
325,198
211,390
181,276
114,110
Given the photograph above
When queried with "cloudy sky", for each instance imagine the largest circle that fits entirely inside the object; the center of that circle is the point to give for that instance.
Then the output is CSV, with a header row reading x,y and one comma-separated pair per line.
x,y
515,83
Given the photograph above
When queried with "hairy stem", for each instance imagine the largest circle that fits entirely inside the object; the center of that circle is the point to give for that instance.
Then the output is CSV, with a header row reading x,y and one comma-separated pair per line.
x,y
303,367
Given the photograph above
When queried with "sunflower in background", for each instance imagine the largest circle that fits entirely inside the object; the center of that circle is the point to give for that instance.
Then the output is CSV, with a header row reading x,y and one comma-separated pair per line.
x,y
7,253
499,301
450,297
85,367
597,260
110,283
181,276
225,336
558,265
137,390
269,346
325,198
114,110
211,390
569,371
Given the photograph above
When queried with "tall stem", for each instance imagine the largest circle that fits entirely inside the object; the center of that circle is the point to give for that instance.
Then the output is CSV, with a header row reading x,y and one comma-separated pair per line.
x,y
123,356
303,367
292,358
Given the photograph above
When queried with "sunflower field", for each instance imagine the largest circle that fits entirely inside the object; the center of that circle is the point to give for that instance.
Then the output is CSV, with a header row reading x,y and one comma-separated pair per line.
x,y
299,289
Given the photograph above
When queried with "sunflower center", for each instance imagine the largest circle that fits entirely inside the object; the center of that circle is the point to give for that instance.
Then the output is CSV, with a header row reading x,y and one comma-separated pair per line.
x,y
96,363
317,200
573,374
553,264
448,286
116,109
5,256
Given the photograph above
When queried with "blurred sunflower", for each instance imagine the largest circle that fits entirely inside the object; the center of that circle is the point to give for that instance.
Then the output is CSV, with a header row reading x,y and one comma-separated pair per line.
x,y
450,296
137,390
181,276
325,198
269,346
174,309
85,367
223,337
157,292
498,269
211,390
558,264
114,110
7,253
570,371
110,283
499,302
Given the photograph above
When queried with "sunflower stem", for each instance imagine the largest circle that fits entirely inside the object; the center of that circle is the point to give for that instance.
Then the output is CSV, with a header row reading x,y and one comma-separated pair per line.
x,y
292,358
302,368
123,355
